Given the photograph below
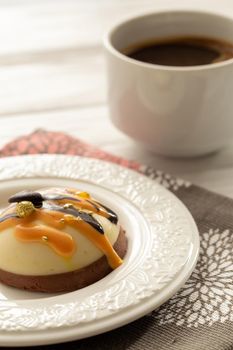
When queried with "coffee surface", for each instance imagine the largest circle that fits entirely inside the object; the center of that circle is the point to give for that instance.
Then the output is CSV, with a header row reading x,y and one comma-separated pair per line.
x,y
185,51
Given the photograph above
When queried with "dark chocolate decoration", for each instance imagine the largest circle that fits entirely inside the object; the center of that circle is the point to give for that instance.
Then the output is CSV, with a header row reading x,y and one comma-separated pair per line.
x,y
94,205
112,216
88,218
38,201
30,196
54,197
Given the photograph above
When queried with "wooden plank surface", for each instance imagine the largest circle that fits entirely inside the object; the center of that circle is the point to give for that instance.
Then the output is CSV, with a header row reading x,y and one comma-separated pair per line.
x,y
51,53
52,75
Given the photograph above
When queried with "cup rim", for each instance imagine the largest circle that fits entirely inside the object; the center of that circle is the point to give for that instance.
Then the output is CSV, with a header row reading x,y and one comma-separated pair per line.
x,y
108,45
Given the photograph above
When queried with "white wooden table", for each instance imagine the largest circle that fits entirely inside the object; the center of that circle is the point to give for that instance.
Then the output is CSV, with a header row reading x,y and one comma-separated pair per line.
x,y
52,75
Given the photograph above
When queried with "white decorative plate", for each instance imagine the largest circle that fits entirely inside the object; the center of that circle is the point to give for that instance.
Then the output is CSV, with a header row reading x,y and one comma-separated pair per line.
x,y
163,249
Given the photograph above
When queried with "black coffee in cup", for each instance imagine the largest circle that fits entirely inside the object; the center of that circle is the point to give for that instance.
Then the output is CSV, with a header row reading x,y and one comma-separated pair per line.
x,y
182,51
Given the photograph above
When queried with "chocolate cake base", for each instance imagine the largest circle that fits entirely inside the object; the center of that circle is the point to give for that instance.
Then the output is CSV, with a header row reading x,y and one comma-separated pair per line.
x,y
68,281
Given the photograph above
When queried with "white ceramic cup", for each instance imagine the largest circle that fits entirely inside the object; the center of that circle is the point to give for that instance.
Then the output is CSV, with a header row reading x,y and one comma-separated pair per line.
x,y
173,111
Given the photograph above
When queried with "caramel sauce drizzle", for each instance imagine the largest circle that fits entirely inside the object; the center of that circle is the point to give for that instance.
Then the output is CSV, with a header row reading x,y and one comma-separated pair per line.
x,y
61,242
57,217
87,204
82,200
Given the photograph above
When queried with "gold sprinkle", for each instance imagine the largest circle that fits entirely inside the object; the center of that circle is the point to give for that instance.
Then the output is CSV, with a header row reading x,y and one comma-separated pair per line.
x,y
87,211
24,209
68,205
44,238
82,194
68,217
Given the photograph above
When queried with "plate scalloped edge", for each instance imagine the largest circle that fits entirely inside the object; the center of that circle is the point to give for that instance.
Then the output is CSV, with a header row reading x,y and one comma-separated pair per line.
x,y
170,261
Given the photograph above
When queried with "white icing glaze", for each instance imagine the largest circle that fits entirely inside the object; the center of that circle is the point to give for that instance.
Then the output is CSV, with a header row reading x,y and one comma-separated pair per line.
x,y
27,258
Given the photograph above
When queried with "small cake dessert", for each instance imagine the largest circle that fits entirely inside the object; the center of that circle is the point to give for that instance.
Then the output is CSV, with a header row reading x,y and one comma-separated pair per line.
x,y
58,240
